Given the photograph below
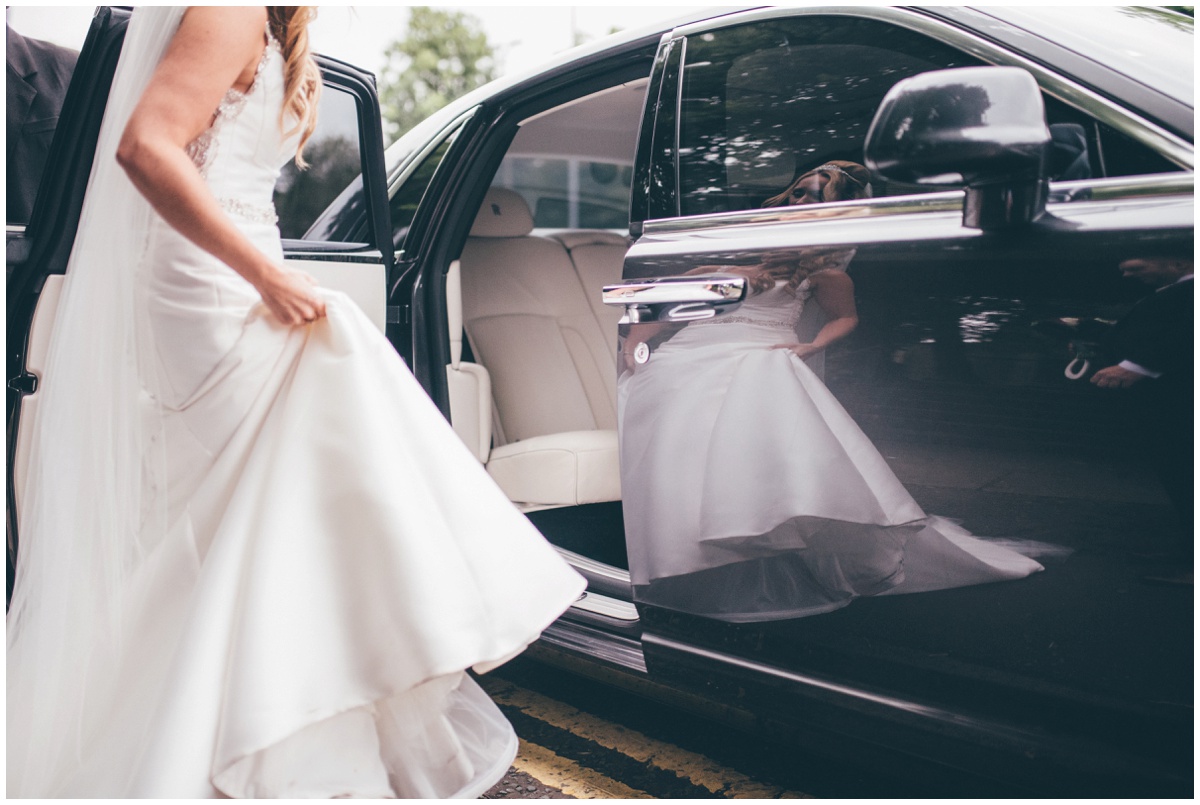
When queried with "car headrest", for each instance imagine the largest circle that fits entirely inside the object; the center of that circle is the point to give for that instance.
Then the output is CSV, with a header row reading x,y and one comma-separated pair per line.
x,y
504,214
591,237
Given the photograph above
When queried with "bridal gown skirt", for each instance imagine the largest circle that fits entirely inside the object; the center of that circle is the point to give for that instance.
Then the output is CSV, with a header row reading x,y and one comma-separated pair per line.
x,y
335,560
750,493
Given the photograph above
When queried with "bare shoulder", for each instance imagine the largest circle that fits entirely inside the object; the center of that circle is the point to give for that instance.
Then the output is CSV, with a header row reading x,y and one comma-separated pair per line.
x,y
228,20
215,48
831,280
227,30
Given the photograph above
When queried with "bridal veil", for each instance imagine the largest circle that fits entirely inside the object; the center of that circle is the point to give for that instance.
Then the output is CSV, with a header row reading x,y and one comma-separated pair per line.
x,y
87,505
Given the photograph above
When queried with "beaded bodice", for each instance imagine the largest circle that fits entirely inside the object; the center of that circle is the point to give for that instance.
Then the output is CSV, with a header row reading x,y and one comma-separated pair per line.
x,y
241,153
777,308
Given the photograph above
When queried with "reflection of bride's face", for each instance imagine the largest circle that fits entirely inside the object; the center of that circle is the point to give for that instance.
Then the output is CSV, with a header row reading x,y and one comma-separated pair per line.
x,y
809,190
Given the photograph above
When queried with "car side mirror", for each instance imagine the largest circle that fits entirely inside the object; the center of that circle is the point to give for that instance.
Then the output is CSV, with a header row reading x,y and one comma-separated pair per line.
x,y
980,128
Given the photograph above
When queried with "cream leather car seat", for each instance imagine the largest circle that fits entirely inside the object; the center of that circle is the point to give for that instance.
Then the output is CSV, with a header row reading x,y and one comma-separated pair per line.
x,y
530,323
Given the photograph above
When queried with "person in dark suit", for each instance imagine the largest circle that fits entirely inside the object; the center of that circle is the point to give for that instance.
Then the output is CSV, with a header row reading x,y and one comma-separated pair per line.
x,y
1155,343
38,75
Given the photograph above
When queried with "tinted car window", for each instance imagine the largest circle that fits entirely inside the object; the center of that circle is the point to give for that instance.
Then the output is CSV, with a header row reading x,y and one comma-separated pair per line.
x,y
1154,46
334,166
763,103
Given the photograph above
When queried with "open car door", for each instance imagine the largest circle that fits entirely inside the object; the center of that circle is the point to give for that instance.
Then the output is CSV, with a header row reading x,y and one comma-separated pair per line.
x,y
333,216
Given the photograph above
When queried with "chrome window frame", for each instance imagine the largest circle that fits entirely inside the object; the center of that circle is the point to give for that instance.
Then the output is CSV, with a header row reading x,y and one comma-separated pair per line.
x,y
1073,192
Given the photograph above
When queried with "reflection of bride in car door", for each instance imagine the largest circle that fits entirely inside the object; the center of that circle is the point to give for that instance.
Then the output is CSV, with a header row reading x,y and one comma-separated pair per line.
x,y
750,494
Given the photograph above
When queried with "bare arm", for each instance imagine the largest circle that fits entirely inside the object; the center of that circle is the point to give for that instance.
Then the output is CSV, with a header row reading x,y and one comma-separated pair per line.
x,y
215,48
834,292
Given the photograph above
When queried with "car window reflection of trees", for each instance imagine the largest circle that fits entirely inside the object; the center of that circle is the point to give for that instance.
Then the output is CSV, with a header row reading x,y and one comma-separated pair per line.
x,y
763,103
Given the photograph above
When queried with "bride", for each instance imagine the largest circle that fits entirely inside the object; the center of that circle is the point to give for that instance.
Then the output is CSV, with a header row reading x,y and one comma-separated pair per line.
x,y
750,493
255,559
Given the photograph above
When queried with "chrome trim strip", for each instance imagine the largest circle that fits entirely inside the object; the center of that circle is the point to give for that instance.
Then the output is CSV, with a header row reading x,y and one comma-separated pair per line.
x,y
588,565
608,607
1114,189
812,682
1174,148
584,641
714,289
371,258
1122,187
949,201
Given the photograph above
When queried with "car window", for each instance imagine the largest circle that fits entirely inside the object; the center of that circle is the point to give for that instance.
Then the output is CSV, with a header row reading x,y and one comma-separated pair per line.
x,y
334,169
573,163
570,192
764,103
38,74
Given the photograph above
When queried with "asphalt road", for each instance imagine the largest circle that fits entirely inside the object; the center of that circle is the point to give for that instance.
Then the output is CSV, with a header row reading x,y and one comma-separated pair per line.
x,y
583,739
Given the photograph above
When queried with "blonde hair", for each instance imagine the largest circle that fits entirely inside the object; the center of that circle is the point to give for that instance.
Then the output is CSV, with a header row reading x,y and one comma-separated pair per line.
x,y
301,76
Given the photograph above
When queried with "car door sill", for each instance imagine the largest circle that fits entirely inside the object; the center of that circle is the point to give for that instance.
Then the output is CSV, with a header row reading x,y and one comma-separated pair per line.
x,y
607,580
604,605
568,638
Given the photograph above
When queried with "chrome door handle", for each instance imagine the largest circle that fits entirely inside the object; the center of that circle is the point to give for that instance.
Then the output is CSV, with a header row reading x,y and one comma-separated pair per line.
x,y
684,298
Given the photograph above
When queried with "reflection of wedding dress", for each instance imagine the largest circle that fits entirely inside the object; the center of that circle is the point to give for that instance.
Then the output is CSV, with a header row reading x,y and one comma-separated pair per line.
x,y
750,494
336,558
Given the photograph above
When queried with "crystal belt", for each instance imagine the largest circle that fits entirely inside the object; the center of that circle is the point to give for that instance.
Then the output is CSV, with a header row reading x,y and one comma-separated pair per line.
x,y
254,213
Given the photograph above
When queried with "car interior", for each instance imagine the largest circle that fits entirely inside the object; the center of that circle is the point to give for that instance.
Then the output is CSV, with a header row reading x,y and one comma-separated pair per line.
x,y
533,383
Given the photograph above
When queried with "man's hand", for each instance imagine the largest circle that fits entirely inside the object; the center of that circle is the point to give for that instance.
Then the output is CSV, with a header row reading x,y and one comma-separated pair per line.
x,y
1116,377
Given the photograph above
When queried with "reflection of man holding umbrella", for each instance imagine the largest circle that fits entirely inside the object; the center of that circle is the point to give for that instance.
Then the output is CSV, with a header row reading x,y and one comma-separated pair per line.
x,y
1154,343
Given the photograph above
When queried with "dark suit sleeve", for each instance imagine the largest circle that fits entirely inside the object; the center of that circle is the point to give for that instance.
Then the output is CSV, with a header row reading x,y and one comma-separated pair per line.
x,y
37,76
1157,332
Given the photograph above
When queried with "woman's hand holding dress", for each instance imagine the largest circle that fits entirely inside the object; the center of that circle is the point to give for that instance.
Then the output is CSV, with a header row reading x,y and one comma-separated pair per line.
x,y
289,295
834,293
801,350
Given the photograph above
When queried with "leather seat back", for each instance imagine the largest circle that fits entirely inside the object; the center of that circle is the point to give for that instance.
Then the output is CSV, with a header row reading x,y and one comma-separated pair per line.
x,y
598,255
530,323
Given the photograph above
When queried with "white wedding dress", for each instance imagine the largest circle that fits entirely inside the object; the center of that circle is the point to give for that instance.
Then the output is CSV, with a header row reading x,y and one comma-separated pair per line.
x,y
750,493
335,558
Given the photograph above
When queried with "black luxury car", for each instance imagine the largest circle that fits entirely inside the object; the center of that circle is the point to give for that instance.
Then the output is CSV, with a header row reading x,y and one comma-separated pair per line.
x,y
534,245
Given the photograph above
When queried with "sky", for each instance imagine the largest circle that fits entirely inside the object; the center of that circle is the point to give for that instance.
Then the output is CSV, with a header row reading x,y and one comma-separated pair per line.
x,y
523,36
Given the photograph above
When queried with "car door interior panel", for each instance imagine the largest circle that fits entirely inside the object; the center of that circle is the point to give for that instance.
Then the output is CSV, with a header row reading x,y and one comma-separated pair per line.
x,y
37,351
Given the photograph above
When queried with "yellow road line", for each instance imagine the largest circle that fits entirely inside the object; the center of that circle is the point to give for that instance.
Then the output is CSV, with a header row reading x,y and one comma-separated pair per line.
x,y
569,777
696,769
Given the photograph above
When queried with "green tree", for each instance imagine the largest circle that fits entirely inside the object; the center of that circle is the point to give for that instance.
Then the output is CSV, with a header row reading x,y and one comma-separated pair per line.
x,y
1177,16
443,56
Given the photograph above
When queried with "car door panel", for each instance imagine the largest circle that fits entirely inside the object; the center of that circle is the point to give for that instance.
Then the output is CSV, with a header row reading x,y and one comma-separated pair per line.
x,y
957,372
365,283
952,378
36,255
348,131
